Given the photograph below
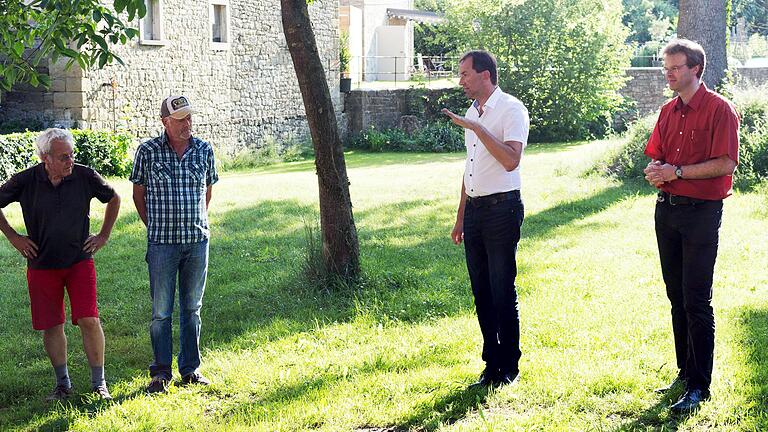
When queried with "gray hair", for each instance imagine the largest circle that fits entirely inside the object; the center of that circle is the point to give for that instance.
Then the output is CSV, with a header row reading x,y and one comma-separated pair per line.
x,y
48,136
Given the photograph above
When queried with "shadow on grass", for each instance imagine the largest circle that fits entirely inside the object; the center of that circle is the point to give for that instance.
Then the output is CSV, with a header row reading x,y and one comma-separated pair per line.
x,y
751,412
256,292
361,159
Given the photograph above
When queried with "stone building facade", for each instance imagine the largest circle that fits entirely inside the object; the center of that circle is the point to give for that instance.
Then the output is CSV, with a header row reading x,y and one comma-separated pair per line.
x,y
228,56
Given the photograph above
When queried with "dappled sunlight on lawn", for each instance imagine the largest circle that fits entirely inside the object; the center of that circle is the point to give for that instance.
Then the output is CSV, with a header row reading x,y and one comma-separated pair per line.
x,y
398,348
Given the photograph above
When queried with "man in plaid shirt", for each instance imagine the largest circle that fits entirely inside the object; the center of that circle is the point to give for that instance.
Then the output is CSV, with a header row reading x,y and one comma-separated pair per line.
x,y
172,179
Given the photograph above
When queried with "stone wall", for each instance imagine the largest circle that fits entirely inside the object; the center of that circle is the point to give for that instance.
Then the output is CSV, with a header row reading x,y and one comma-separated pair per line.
x,y
242,94
647,87
381,109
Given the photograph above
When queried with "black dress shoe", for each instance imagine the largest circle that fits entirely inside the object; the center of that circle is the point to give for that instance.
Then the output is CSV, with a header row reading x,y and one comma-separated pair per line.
x,y
506,378
690,401
678,382
487,377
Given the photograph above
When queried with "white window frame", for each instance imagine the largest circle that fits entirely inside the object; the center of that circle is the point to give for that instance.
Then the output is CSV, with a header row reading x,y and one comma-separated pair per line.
x,y
157,24
226,34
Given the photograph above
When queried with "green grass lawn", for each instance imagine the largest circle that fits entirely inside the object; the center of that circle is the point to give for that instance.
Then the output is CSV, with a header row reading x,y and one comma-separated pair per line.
x,y
398,351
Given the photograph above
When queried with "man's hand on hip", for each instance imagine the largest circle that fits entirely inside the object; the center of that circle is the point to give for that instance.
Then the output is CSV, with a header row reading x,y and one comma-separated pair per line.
x,y
94,243
26,247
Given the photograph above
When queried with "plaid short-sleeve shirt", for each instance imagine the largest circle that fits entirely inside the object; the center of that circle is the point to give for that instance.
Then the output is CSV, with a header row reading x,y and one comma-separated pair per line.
x,y
175,189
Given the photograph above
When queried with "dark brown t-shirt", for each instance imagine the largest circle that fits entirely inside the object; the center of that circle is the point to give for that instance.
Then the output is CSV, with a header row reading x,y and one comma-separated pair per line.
x,y
57,218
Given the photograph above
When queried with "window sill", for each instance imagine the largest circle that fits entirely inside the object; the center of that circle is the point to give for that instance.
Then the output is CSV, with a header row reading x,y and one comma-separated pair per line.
x,y
153,42
220,46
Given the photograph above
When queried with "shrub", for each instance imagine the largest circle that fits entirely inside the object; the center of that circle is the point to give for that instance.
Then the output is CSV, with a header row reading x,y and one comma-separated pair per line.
x,y
564,59
17,152
629,161
438,137
103,151
271,151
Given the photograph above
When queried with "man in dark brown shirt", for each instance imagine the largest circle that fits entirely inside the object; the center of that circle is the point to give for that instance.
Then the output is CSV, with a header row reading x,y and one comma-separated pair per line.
x,y
55,198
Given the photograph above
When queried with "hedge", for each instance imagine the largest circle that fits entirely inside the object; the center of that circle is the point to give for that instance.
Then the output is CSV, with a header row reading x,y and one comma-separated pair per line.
x,y
104,151
629,161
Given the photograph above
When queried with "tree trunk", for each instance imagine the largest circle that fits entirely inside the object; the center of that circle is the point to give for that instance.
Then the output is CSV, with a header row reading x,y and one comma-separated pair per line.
x,y
340,247
704,21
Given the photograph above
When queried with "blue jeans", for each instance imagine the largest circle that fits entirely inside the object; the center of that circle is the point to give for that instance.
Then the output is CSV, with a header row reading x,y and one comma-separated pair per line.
x,y
188,263
491,234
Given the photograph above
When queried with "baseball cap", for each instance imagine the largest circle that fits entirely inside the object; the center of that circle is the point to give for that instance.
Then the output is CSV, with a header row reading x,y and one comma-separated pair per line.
x,y
177,107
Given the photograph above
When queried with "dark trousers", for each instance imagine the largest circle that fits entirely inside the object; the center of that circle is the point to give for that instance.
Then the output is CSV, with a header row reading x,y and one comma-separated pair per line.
x,y
687,236
491,234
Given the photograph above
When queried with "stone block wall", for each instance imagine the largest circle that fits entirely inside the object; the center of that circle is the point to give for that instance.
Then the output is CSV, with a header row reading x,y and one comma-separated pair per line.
x,y
241,95
379,108
647,87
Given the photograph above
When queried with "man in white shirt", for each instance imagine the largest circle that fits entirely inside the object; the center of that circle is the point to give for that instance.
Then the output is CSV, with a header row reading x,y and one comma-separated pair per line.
x,y
490,212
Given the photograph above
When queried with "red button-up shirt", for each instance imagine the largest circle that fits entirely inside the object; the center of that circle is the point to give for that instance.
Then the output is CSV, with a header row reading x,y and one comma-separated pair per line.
x,y
705,128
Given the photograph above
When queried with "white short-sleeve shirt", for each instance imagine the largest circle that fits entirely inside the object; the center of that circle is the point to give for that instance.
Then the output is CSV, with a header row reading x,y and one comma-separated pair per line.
x,y
506,118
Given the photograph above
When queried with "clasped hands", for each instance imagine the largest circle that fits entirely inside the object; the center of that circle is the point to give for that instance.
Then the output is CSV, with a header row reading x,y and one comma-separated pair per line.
x,y
658,173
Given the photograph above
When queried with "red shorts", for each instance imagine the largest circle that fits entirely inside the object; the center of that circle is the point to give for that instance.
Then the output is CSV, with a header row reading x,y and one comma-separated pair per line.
x,y
46,294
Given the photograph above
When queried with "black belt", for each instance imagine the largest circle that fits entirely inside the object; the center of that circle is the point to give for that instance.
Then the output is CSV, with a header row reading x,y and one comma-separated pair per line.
x,y
488,200
678,199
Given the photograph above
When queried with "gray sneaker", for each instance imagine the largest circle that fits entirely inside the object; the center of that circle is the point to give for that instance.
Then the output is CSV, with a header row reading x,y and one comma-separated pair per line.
x,y
102,392
60,393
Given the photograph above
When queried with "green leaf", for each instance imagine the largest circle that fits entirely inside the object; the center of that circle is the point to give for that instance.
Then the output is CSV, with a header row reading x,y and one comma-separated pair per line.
x,y
33,80
142,9
100,41
68,52
45,80
10,75
120,5
18,48
96,15
131,11
131,32
103,59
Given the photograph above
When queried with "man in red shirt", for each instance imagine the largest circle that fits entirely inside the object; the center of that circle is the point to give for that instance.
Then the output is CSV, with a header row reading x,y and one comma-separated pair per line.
x,y
694,149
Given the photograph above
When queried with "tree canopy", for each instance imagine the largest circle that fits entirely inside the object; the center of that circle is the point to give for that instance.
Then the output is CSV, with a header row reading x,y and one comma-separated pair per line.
x,y
81,30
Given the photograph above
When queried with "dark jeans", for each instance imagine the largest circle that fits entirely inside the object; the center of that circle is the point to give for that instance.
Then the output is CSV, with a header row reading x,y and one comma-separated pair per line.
x,y
687,236
491,234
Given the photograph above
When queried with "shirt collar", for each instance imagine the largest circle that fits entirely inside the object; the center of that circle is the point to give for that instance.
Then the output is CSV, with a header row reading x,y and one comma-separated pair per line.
x,y
193,142
492,99
695,101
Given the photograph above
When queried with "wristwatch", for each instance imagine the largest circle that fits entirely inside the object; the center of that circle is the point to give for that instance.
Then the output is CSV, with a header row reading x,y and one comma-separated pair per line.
x,y
679,171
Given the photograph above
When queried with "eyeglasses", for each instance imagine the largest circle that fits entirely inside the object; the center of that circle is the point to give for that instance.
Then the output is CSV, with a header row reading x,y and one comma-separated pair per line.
x,y
65,157
673,69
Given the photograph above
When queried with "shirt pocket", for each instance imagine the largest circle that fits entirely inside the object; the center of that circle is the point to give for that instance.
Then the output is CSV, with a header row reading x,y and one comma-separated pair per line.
x,y
195,175
160,173
699,145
